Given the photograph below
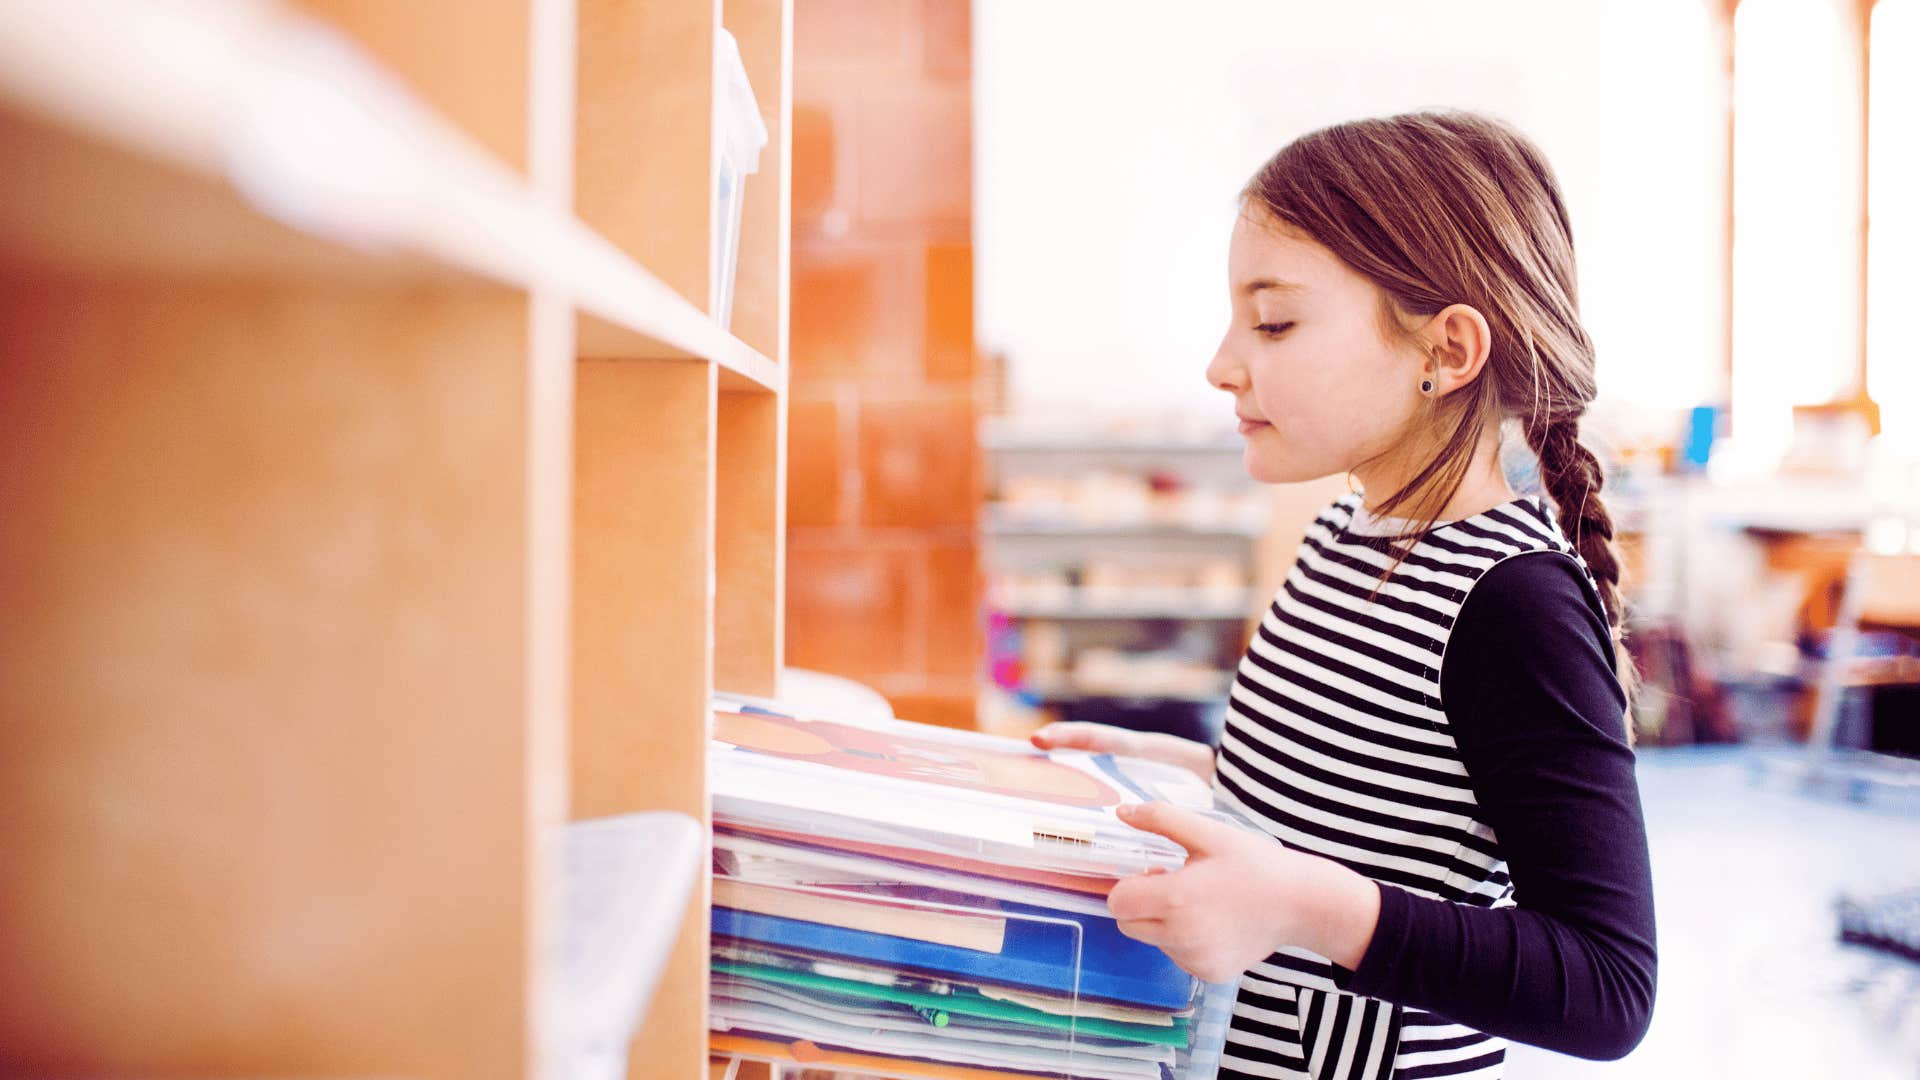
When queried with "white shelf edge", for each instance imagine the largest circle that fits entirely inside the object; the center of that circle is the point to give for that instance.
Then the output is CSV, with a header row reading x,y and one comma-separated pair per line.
x,y
268,103
744,370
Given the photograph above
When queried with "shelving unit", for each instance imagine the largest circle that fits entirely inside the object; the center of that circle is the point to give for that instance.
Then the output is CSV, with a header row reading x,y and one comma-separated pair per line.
x,y
1000,525
1078,605
1154,647
376,496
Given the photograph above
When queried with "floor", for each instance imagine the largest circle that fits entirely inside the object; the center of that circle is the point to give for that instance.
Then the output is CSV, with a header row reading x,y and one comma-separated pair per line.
x,y
1753,982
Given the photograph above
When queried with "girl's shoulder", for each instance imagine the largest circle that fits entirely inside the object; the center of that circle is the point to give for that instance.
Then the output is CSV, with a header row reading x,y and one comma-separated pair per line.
x,y
1453,555
1522,549
1524,523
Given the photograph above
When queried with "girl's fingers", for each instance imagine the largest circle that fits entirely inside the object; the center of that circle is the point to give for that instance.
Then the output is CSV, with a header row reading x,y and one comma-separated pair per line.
x,y
1151,931
1075,735
1142,896
1199,835
1069,735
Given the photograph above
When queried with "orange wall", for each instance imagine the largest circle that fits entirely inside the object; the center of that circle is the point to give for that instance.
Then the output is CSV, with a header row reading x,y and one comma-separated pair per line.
x,y
884,468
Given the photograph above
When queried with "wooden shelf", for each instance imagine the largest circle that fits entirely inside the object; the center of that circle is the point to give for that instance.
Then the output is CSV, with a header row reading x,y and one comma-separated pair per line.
x,y
669,328
289,156
288,125
381,496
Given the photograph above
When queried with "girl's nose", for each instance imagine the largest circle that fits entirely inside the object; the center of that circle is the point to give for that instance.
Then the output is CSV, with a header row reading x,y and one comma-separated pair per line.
x,y
1223,373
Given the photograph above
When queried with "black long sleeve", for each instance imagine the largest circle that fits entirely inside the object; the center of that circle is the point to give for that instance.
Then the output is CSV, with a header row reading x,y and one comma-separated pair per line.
x,y
1529,690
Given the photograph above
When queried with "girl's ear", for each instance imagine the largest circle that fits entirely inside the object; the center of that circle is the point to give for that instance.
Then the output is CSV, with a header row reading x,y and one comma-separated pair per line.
x,y
1458,343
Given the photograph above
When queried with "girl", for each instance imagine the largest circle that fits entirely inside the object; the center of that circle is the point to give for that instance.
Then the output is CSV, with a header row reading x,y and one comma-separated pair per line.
x,y
1431,720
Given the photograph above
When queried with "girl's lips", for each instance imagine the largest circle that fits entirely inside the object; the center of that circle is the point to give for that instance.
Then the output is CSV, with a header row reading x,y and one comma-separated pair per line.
x,y
1248,427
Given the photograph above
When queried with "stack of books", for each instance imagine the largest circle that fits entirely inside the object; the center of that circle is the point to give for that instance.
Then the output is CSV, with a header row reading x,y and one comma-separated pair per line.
x,y
905,900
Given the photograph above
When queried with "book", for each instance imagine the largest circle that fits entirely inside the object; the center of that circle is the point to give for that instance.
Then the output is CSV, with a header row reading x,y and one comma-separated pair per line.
x,y
1052,951
869,912
961,1002
890,814
787,860
1060,1004
903,752
1087,884
807,1052
901,1033
913,787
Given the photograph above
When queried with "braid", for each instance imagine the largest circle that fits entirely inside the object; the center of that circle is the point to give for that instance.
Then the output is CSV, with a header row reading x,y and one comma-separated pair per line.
x,y
1573,477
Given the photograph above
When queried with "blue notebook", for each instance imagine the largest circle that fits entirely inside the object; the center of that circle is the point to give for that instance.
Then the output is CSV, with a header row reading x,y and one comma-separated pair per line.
x,y
1038,955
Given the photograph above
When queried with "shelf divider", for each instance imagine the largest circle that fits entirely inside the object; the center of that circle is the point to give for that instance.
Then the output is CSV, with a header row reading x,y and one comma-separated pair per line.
x,y
264,668
750,544
646,151
643,632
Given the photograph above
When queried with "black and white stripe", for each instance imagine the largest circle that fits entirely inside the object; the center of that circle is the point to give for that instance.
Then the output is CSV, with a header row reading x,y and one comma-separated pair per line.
x,y
1336,743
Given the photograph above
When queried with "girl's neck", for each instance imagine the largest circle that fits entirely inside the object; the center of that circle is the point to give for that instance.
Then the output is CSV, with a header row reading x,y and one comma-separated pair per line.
x,y
1471,499
1483,488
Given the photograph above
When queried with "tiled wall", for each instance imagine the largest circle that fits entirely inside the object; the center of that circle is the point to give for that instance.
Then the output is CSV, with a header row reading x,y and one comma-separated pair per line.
x,y
884,467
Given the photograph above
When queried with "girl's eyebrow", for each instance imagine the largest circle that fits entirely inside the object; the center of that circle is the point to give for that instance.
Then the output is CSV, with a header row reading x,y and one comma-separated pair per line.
x,y
1258,284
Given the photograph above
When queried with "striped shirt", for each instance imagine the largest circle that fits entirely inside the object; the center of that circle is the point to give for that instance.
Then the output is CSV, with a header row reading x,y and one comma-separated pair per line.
x,y
1336,743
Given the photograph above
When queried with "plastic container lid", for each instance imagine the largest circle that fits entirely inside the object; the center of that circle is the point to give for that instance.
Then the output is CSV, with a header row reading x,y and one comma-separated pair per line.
x,y
742,133
984,799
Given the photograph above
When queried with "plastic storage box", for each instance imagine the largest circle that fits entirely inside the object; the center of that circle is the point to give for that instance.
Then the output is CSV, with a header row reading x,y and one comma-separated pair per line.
x,y
622,888
742,136
900,900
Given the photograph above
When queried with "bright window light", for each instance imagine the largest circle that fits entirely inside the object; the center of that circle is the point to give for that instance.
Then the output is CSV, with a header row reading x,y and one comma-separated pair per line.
x,y
1893,224
1796,205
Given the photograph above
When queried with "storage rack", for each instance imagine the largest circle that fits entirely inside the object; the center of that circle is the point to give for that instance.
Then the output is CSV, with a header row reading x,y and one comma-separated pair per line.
x,y
376,496
1014,544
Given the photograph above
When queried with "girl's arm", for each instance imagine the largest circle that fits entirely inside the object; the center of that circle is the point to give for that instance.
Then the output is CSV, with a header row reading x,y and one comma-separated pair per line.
x,y
1534,705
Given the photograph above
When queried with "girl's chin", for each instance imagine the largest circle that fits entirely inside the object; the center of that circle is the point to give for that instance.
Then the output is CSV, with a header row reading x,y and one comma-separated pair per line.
x,y
1263,468
1260,468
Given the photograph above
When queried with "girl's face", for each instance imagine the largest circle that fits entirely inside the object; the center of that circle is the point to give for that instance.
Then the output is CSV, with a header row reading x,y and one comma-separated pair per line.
x,y
1317,390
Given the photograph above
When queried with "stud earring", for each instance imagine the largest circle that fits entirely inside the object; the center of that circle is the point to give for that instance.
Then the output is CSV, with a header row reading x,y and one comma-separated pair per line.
x,y
1426,386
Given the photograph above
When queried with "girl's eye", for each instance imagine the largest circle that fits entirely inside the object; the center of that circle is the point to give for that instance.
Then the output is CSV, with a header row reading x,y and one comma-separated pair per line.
x,y
1273,329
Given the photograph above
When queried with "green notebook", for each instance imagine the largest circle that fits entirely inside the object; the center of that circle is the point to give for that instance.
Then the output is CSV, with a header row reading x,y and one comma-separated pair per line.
x,y
965,1002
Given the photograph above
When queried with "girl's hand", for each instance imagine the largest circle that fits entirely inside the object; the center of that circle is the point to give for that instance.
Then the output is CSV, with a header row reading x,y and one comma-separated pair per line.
x,y
1196,758
1241,896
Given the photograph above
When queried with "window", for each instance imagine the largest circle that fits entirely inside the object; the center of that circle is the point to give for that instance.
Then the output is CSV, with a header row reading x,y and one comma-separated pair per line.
x,y
1796,211
1893,224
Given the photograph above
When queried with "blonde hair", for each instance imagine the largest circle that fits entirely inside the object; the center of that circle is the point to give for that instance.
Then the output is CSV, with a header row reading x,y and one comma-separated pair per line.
x,y
1444,206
